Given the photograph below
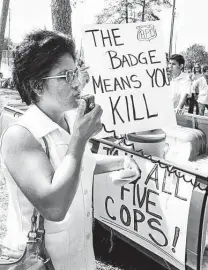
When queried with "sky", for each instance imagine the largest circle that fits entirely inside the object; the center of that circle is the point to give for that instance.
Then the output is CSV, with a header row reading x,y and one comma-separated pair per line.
x,y
190,23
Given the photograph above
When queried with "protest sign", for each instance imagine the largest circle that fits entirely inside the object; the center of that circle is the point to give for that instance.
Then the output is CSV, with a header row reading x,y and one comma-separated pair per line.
x,y
152,211
128,76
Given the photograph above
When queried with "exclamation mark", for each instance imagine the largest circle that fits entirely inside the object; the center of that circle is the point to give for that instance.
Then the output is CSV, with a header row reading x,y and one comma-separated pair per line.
x,y
175,240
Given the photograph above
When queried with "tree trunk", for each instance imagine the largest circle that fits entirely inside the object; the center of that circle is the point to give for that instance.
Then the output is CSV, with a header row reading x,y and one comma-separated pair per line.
x,y
3,20
127,15
61,16
143,9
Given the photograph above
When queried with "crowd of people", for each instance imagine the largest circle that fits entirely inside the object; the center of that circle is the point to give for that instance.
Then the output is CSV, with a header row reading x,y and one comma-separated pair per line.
x,y
188,89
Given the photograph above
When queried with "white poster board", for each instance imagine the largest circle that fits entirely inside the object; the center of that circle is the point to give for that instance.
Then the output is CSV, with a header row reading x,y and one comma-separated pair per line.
x,y
152,212
128,76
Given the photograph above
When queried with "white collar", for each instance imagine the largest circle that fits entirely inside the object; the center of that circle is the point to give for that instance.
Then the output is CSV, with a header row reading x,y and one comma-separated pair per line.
x,y
182,75
38,122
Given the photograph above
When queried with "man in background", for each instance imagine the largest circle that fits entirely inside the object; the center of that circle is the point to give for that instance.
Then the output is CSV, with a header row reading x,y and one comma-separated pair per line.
x,y
200,86
180,82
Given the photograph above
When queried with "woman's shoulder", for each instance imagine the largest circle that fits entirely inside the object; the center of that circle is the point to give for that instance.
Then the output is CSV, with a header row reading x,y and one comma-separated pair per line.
x,y
17,130
17,138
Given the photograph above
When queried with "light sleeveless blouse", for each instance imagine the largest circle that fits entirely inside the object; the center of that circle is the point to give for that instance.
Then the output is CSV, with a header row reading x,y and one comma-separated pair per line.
x,y
68,242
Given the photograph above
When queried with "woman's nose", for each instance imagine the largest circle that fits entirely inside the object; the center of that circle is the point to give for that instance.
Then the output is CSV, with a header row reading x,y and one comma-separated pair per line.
x,y
76,82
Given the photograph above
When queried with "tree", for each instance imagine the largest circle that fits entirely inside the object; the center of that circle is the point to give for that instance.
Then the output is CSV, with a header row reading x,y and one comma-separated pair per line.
x,y
120,11
3,20
61,16
195,54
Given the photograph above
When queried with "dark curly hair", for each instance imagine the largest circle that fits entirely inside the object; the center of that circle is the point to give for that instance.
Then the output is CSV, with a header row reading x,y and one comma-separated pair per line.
x,y
34,58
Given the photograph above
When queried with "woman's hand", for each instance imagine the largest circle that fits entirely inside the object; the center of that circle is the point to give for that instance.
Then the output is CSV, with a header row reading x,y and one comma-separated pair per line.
x,y
86,125
129,173
130,164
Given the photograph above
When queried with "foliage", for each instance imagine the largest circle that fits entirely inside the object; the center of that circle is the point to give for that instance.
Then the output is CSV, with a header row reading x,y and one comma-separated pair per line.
x,y
195,54
119,11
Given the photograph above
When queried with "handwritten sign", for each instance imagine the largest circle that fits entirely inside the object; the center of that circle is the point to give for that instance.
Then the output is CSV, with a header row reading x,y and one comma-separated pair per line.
x,y
128,76
152,211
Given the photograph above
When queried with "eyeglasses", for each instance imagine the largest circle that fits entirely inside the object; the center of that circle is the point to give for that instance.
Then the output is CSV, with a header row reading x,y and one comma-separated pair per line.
x,y
70,75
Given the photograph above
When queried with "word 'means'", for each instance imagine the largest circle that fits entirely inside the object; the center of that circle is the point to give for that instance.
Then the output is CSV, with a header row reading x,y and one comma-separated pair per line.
x,y
157,76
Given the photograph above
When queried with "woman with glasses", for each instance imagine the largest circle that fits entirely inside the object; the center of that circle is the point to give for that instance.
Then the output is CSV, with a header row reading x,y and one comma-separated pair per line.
x,y
194,96
59,186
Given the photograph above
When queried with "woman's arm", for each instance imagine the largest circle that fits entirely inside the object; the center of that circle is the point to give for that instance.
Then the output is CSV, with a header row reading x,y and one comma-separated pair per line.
x,y
51,192
123,168
108,163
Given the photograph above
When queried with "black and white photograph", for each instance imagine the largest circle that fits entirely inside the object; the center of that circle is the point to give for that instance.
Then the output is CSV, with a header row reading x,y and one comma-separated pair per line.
x,y
103,135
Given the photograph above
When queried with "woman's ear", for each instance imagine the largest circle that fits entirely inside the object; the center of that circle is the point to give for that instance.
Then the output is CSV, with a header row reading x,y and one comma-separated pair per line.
x,y
38,92
37,87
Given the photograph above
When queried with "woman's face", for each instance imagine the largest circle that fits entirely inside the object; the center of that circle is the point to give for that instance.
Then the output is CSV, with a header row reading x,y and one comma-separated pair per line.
x,y
197,68
58,91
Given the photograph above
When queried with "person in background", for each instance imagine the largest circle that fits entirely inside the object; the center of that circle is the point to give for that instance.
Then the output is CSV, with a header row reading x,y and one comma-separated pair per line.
x,y
200,87
2,80
46,74
197,73
180,82
5,82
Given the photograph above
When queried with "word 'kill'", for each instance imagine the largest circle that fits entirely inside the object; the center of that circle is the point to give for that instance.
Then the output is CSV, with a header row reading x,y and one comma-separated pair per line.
x,y
128,108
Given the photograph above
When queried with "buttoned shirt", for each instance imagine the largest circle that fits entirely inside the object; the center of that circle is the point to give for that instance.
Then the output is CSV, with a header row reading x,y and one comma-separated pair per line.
x,y
69,242
200,86
181,86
